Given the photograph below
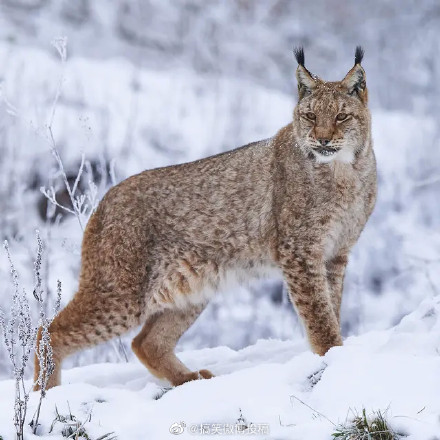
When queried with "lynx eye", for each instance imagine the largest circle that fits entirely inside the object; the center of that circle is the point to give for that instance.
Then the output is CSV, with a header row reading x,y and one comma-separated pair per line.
x,y
311,116
341,116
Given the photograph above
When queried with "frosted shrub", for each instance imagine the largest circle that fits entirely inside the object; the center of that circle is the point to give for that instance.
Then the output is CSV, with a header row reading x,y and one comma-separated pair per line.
x,y
19,337
43,351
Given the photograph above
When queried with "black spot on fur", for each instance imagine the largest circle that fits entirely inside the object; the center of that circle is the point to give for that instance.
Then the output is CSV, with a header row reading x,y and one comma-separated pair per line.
x,y
358,56
299,55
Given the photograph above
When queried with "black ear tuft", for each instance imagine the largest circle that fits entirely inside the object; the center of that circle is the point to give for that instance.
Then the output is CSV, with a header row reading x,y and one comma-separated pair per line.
x,y
299,55
359,55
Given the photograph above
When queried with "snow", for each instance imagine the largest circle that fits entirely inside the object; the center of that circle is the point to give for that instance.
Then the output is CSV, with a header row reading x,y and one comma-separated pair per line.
x,y
279,384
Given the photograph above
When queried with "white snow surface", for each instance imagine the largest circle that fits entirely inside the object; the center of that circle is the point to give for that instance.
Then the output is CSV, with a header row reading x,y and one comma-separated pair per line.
x,y
395,370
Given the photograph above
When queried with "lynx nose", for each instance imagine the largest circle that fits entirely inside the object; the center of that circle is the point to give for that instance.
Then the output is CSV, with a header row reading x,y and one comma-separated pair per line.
x,y
324,142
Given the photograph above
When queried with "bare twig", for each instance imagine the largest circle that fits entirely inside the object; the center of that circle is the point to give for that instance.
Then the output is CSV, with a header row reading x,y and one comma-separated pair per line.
x,y
314,410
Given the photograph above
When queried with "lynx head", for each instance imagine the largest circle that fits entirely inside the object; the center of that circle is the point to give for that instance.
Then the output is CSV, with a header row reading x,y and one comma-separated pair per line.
x,y
331,119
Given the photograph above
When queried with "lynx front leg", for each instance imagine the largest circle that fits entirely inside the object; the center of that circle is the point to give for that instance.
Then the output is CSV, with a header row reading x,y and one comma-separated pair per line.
x,y
335,275
309,291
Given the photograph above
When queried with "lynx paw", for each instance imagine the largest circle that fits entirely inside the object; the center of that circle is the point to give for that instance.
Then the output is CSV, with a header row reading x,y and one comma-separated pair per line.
x,y
205,374
194,375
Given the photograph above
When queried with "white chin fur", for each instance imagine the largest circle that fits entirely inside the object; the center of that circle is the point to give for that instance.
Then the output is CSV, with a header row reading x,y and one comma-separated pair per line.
x,y
320,158
344,156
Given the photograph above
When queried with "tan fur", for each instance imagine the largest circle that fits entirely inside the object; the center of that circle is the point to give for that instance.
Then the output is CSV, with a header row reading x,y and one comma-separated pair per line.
x,y
163,241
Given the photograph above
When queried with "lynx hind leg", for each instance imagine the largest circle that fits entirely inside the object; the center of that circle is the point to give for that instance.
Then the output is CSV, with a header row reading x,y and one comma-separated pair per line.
x,y
155,344
89,319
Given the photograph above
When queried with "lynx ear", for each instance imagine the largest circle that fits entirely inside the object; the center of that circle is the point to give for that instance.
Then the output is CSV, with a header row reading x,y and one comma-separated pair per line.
x,y
355,80
306,81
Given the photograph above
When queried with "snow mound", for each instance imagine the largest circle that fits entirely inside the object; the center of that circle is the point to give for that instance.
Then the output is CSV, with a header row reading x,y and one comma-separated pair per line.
x,y
280,387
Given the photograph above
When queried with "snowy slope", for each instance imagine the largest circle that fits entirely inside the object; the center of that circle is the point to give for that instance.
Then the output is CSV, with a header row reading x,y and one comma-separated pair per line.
x,y
273,383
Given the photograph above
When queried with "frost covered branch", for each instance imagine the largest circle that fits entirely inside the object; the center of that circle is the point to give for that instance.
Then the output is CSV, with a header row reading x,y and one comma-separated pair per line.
x,y
60,44
43,349
83,204
19,338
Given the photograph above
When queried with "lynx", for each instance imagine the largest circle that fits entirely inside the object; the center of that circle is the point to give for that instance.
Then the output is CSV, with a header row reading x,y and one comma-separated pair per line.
x,y
162,242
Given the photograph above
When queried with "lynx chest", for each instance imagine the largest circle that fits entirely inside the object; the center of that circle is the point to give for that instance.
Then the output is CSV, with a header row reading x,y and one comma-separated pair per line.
x,y
347,209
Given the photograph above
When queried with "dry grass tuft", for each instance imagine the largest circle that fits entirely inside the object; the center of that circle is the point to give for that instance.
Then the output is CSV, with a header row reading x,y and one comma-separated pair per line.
x,y
363,427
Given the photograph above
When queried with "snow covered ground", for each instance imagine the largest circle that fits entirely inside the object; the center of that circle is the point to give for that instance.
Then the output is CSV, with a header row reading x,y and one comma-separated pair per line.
x,y
280,386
